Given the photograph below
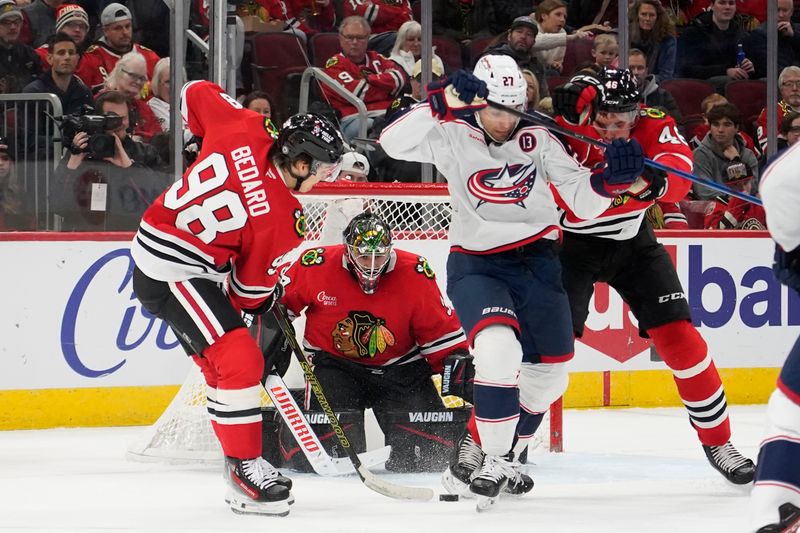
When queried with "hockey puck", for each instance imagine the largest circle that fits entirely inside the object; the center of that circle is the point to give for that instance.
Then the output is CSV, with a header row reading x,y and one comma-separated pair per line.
x,y
448,497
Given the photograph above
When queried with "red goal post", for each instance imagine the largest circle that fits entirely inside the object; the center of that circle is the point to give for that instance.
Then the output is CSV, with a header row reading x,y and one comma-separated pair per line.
x,y
419,215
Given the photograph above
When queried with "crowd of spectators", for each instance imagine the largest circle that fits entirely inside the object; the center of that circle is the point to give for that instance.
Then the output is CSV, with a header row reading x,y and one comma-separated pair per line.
x,y
85,51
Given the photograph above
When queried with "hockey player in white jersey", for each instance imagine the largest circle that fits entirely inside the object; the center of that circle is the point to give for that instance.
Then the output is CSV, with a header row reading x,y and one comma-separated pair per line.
x,y
776,492
503,272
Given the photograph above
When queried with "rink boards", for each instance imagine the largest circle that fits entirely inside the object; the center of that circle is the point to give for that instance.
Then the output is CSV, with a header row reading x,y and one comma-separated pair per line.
x,y
78,350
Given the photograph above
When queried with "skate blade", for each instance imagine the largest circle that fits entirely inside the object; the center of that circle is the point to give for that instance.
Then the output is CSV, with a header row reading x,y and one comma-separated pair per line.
x,y
453,485
290,501
246,506
486,503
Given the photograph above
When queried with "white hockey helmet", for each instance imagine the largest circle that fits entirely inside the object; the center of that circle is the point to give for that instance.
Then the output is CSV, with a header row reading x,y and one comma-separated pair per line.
x,y
503,79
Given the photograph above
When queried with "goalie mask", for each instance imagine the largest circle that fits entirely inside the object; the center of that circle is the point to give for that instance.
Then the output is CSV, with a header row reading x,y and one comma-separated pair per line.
x,y
368,247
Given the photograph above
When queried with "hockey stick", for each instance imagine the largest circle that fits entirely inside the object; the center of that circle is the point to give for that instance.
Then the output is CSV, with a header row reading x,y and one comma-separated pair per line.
x,y
322,463
369,479
547,122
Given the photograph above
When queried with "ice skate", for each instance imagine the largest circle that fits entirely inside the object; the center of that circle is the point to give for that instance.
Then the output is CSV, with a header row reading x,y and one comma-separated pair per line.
x,y
730,463
790,521
493,477
519,484
254,488
468,458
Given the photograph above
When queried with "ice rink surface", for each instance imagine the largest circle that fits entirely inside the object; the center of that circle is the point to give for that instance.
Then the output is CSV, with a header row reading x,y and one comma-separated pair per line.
x,y
624,470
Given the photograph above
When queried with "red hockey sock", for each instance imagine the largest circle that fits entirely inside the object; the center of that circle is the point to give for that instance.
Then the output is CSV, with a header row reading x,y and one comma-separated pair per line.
x,y
685,352
239,364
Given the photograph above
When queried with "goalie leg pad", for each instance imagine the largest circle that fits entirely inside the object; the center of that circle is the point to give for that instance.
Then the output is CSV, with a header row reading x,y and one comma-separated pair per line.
x,y
498,356
239,365
685,352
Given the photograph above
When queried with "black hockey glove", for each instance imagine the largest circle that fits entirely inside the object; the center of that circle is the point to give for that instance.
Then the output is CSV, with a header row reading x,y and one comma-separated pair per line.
x,y
457,96
787,267
273,344
267,304
655,185
624,165
576,100
458,376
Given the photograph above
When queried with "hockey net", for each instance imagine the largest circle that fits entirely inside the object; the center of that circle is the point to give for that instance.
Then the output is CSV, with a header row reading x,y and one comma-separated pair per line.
x,y
420,217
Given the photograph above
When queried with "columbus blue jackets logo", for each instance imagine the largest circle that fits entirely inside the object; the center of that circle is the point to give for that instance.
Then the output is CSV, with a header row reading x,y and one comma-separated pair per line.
x,y
508,185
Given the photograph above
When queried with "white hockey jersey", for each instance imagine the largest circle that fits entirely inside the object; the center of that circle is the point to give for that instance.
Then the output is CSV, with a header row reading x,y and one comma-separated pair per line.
x,y
500,193
780,191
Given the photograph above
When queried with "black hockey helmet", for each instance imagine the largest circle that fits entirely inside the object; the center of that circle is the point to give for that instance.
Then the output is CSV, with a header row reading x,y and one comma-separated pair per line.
x,y
368,247
619,92
310,135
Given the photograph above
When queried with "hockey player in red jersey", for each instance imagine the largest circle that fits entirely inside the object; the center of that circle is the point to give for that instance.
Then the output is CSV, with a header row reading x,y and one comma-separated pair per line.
x,y
231,219
377,326
620,248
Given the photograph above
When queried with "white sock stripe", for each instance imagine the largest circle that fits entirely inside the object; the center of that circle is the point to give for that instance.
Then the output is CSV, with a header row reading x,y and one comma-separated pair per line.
x,y
695,370
238,420
708,401
238,399
712,424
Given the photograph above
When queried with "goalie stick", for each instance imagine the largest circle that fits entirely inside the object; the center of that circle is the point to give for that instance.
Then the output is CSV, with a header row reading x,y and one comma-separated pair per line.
x,y
322,463
387,488
547,122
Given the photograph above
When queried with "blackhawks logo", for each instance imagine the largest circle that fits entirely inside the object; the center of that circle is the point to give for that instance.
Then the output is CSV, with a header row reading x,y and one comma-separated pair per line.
x,y
299,223
361,335
312,257
424,268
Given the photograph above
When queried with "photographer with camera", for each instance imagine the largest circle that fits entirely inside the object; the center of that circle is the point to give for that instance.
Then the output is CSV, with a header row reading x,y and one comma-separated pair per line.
x,y
107,179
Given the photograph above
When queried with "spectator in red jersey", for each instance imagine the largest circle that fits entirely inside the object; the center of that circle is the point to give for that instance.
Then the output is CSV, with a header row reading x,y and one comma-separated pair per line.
x,y
729,212
73,20
370,352
722,156
384,17
117,40
129,77
789,85
19,63
38,21
368,75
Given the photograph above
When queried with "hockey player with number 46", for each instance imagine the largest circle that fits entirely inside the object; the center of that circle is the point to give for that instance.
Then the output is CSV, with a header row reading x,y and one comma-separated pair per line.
x,y
776,494
503,272
620,248
232,219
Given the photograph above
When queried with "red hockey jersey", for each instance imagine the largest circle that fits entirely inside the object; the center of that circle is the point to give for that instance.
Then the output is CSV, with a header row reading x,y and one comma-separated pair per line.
x,y
231,217
376,82
404,320
300,14
382,15
99,60
657,133
736,214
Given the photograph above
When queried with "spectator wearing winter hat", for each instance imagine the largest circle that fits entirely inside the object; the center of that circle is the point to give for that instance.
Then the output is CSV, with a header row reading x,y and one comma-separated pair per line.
x,y
39,21
117,40
19,63
72,20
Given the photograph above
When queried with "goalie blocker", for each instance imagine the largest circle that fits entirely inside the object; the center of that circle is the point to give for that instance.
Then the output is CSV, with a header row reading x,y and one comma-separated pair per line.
x,y
421,441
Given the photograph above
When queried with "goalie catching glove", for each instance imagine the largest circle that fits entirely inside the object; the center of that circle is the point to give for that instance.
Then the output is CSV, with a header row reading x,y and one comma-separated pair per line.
x,y
458,375
457,96
624,165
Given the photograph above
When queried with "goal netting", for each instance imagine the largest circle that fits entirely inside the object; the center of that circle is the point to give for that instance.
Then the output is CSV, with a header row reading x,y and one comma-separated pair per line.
x,y
420,217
